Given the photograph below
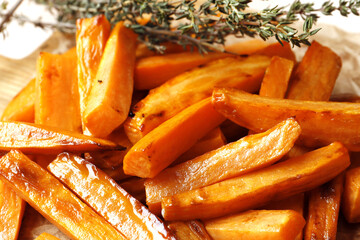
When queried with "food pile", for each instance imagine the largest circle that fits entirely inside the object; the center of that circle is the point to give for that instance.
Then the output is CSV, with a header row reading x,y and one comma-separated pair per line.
x,y
113,141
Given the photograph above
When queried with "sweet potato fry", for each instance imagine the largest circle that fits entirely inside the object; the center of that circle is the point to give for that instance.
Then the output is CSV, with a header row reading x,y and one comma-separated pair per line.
x,y
46,236
295,203
276,49
162,146
351,196
247,154
135,187
91,36
35,139
314,78
188,88
276,79
232,131
191,230
257,225
153,71
211,141
57,97
246,47
21,107
109,99
323,210
55,202
108,199
257,188
11,212
321,122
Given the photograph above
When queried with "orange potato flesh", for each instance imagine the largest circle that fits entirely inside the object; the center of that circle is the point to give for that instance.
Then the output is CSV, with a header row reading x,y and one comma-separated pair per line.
x,y
257,225
323,210
247,154
191,230
91,36
108,199
57,97
321,122
276,78
21,107
246,47
55,202
109,99
276,49
153,71
351,196
11,212
46,236
315,76
257,188
296,151
211,141
295,203
135,187
35,139
188,88
162,146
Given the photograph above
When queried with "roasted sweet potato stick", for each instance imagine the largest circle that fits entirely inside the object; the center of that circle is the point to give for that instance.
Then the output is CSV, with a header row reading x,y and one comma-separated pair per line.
x,y
246,47
46,236
108,199
321,122
257,188
351,196
276,49
109,99
315,76
153,71
323,210
21,107
11,212
188,88
247,154
36,139
57,97
211,141
91,36
191,230
276,79
257,225
162,146
55,202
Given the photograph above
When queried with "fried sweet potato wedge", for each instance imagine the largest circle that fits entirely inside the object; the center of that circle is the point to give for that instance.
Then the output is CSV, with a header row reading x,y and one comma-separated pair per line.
x,y
276,49
35,139
351,196
108,199
109,99
246,47
153,71
276,79
321,122
91,37
314,78
162,146
21,107
257,188
55,202
190,87
245,155
46,236
211,141
11,212
191,230
323,210
257,225
57,96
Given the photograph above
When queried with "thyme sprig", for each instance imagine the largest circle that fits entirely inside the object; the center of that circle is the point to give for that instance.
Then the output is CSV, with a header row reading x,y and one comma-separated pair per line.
x,y
202,25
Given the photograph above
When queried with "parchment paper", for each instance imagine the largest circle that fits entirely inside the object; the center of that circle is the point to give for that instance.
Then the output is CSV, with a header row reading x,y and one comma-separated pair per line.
x,y
346,45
